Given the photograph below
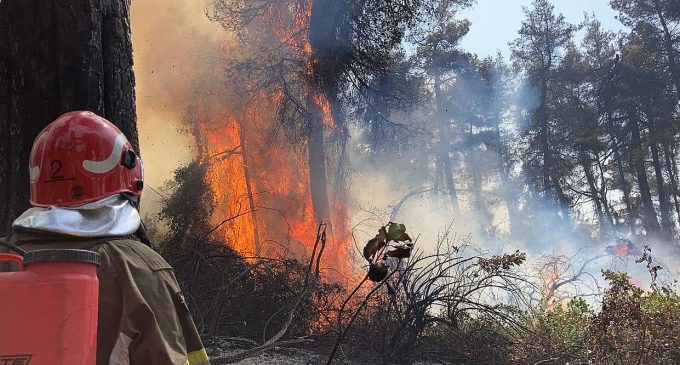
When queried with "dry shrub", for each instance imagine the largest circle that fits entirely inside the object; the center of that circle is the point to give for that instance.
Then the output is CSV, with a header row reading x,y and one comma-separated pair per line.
x,y
229,294
453,305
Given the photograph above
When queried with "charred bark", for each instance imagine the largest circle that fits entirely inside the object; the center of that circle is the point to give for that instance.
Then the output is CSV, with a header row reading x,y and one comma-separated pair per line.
x,y
58,56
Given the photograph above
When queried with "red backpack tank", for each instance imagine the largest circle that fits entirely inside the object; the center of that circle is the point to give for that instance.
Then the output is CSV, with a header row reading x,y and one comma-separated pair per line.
x,y
48,309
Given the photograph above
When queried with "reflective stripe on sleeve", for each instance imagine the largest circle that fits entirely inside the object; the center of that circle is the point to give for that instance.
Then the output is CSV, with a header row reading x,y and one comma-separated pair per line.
x,y
120,354
199,357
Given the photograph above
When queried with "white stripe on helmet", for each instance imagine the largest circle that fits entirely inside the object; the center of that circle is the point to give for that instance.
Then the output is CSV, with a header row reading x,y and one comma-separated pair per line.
x,y
34,172
100,167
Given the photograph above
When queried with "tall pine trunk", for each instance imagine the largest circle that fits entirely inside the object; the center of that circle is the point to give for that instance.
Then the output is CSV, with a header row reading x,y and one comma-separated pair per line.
x,y
58,56
671,170
669,47
611,215
331,42
585,162
638,154
316,150
664,203
621,175
541,117
443,154
245,155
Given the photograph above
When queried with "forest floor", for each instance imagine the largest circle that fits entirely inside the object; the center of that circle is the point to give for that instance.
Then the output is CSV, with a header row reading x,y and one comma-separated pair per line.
x,y
275,355
283,355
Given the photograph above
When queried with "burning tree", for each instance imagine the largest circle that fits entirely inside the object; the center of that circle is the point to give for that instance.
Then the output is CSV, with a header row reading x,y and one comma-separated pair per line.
x,y
278,150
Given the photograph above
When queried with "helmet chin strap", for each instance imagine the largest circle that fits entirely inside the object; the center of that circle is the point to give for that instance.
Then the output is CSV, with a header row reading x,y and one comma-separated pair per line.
x,y
133,199
141,231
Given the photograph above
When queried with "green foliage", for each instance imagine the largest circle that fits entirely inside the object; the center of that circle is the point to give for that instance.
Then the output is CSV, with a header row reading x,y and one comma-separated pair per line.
x,y
502,262
187,211
632,327
558,333
391,241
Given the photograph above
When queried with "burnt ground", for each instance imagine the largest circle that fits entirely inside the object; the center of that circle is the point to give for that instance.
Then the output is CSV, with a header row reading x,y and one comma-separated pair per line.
x,y
311,353
276,355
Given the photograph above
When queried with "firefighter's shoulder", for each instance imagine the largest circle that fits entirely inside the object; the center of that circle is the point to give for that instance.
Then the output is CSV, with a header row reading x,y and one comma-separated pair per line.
x,y
133,253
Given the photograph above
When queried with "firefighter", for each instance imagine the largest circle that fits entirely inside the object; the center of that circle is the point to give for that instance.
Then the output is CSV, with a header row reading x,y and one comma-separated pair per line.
x,y
85,181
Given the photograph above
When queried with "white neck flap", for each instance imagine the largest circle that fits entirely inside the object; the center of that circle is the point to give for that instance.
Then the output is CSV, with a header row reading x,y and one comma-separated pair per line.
x,y
111,216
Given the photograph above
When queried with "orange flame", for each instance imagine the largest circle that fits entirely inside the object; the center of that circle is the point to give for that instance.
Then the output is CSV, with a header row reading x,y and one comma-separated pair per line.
x,y
622,248
261,187
262,195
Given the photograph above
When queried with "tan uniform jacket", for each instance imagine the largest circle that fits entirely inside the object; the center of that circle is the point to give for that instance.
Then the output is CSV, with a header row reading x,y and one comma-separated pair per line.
x,y
143,318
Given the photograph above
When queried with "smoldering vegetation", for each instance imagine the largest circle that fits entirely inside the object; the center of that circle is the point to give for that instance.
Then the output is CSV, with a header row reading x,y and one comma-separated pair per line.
x,y
540,192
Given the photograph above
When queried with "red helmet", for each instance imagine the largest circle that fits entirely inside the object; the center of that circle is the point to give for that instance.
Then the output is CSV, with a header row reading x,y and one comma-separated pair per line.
x,y
80,158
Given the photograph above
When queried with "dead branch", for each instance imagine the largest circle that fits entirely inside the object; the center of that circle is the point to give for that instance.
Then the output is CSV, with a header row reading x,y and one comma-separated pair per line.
x,y
314,257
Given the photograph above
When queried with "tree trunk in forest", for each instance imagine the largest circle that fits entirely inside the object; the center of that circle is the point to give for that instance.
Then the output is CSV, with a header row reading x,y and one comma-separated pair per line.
x,y
664,203
508,190
541,118
668,46
563,207
243,135
630,221
671,169
331,45
444,145
483,217
649,221
316,151
509,195
611,214
448,176
58,56
585,162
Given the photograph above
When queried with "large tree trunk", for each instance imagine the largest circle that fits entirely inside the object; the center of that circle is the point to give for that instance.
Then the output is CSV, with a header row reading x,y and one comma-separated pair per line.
x,y
612,217
57,56
507,189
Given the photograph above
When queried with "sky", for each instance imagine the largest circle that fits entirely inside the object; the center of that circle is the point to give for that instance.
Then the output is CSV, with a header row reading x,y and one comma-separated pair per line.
x,y
495,22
